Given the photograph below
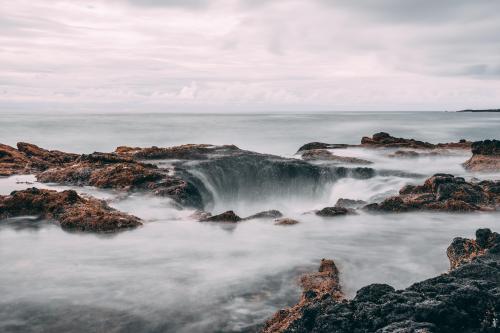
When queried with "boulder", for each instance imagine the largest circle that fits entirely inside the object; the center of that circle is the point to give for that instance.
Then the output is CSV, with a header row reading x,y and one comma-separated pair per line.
x,y
485,157
334,211
72,211
443,192
349,203
321,145
228,216
268,214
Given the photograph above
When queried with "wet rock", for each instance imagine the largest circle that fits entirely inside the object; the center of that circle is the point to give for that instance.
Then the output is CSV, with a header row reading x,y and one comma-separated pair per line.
x,y
108,170
323,284
228,216
463,250
463,300
50,157
268,214
385,140
12,161
349,203
485,157
443,192
183,152
72,211
334,211
321,145
325,155
285,221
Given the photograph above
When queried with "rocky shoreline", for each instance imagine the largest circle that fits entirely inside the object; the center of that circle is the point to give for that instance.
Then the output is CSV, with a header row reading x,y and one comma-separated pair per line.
x,y
466,299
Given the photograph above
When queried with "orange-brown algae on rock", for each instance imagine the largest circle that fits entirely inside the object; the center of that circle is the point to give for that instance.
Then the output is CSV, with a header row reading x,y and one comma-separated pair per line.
x,y
72,211
320,285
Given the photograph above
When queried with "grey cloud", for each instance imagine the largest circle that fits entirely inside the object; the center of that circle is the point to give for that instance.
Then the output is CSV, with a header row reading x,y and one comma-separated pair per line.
x,y
170,3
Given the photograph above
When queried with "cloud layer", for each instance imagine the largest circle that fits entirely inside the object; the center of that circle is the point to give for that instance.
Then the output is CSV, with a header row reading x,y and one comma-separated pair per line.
x,y
244,55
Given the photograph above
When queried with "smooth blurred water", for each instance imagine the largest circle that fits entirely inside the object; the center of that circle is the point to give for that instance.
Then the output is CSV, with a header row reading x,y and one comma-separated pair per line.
x,y
175,274
278,133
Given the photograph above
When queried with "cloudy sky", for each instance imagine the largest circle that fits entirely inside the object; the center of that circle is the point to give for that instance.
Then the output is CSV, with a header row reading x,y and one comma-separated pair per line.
x,y
245,55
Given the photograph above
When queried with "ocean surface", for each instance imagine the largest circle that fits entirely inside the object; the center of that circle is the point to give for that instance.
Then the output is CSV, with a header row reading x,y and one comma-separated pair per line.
x,y
175,274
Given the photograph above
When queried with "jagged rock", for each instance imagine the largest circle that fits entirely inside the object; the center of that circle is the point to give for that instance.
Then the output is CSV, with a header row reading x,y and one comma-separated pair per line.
x,y
12,161
285,221
463,250
464,300
321,145
334,211
485,156
51,157
446,193
107,170
268,214
183,152
323,284
68,208
228,216
349,203
385,140
325,155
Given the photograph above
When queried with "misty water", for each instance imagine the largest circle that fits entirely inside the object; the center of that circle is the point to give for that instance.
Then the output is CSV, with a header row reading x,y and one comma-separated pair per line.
x,y
175,274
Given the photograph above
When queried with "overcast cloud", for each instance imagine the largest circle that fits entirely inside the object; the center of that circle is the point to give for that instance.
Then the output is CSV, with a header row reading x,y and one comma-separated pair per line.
x,y
244,55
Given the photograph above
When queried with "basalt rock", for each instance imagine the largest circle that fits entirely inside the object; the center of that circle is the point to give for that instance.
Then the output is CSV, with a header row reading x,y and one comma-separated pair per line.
x,y
183,152
321,145
228,216
325,155
107,170
72,211
268,214
485,156
334,211
463,250
444,192
316,286
385,140
50,157
466,299
349,203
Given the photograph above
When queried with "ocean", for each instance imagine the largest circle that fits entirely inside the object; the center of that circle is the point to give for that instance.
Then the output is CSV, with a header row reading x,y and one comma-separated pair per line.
x,y
175,274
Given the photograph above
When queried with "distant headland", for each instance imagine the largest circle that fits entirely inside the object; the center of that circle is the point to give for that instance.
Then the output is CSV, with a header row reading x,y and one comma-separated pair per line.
x,y
485,110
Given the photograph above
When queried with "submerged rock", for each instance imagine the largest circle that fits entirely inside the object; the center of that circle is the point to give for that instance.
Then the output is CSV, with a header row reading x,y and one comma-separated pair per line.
x,y
349,203
334,211
443,192
321,145
485,156
285,221
463,300
228,216
68,208
325,155
268,214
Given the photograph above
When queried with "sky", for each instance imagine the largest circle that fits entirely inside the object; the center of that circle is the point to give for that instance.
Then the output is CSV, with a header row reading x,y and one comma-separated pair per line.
x,y
249,55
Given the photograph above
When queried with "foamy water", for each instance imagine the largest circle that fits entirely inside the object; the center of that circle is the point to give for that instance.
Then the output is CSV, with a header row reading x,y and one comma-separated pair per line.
x,y
178,275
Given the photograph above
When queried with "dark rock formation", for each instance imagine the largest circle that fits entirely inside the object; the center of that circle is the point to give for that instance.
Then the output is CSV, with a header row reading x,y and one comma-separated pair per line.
x,y
445,193
228,216
183,152
285,221
68,208
349,203
464,300
321,145
107,170
463,250
385,140
334,211
485,156
325,155
323,284
268,214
